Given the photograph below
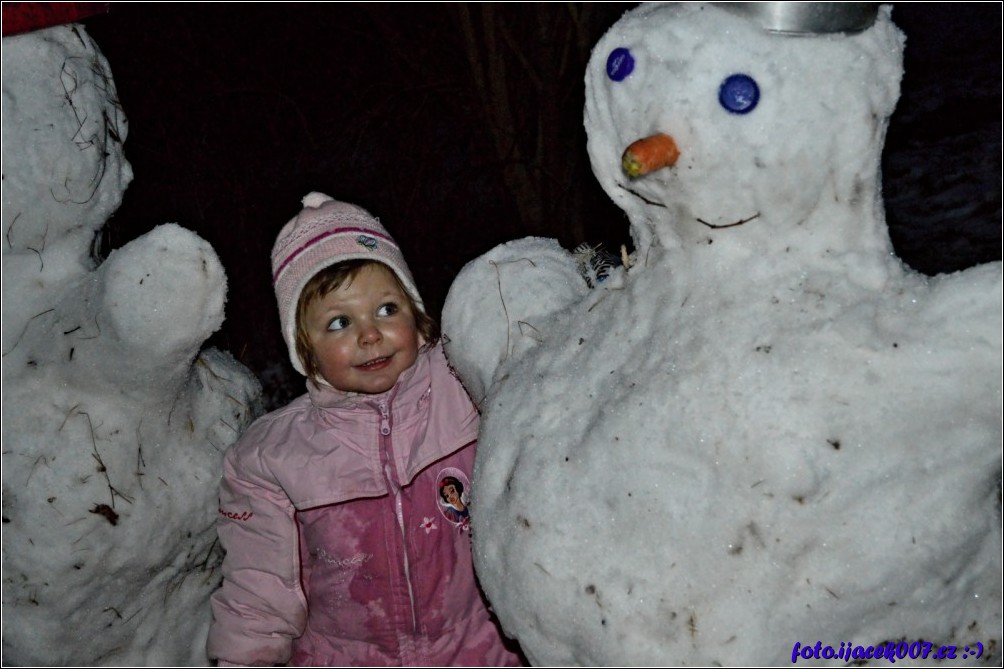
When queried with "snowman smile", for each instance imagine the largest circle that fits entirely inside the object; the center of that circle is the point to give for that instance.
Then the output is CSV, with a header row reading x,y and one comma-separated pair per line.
x,y
713,226
741,221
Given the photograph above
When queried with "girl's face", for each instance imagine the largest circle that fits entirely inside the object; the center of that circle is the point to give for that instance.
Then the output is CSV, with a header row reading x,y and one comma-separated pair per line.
x,y
363,333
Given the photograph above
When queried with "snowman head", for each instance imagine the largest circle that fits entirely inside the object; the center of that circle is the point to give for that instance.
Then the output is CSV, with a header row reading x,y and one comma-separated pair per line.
x,y
771,128
63,156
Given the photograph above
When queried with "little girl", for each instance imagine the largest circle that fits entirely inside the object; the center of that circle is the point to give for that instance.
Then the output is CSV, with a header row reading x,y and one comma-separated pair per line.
x,y
339,548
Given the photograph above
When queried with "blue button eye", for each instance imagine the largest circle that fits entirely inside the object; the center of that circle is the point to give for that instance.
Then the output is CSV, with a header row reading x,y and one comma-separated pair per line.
x,y
620,64
739,94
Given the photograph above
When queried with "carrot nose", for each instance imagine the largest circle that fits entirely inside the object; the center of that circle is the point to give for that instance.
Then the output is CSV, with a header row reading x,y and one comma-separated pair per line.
x,y
647,155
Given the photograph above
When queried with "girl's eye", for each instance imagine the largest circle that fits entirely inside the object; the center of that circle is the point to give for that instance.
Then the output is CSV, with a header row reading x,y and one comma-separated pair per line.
x,y
338,323
388,309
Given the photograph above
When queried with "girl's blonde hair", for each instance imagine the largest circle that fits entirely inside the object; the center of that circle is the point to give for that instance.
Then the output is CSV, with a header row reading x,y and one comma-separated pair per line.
x,y
333,277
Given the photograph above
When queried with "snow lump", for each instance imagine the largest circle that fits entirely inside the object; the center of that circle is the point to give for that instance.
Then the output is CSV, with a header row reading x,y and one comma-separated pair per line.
x,y
114,421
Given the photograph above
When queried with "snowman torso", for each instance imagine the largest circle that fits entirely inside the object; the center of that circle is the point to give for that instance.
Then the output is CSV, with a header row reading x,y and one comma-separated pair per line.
x,y
684,488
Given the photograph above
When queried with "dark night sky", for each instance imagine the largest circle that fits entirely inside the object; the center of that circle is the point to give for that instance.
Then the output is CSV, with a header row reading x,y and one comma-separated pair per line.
x,y
236,111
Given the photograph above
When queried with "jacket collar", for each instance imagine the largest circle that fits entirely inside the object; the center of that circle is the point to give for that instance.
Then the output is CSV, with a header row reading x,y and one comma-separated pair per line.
x,y
425,429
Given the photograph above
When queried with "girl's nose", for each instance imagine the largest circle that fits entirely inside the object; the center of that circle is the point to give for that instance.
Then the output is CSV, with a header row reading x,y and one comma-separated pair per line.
x,y
369,334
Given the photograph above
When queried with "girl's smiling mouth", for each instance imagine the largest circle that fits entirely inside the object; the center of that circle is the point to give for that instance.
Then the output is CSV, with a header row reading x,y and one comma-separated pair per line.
x,y
374,364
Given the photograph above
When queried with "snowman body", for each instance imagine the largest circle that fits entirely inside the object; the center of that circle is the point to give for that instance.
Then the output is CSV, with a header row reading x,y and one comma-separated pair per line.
x,y
767,430
115,419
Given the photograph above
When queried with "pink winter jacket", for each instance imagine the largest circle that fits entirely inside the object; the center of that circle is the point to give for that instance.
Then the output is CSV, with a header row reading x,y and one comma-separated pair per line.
x,y
341,548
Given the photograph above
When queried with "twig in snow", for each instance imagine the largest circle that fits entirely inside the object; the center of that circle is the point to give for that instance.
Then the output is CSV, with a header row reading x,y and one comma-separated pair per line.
x,y
76,32
522,323
41,263
642,197
97,457
97,326
84,143
174,583
202,361
140,462
52,505
209,553
31,473
25,330
593,306
97,660
110,129
67,417
498,276
38,252
10,227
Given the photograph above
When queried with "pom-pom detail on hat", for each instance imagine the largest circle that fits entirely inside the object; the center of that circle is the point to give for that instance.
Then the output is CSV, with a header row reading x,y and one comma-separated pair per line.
x,y
315,200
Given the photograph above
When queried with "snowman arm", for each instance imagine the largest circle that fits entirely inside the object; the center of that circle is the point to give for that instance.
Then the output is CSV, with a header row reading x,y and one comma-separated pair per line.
x,y
497,306
260,607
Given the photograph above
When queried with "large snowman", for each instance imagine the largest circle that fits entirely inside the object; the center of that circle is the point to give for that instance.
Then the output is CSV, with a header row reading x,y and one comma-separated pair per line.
x,y
114,418
764,432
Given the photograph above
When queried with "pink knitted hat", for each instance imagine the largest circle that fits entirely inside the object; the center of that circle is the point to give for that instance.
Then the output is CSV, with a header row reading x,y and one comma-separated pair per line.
x,y
324,233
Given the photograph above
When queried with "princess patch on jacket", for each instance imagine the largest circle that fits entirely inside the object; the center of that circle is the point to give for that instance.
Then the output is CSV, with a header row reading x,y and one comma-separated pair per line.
x,y
453,492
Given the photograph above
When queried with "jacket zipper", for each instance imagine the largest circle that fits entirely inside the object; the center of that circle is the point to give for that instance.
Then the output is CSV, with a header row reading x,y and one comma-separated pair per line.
x,y
385,431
